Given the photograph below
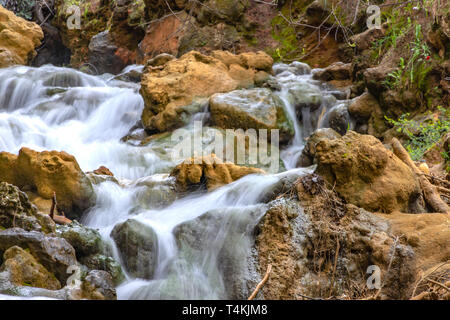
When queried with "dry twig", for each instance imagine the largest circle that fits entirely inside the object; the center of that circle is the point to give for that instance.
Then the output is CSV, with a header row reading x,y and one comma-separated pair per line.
x,y
261,284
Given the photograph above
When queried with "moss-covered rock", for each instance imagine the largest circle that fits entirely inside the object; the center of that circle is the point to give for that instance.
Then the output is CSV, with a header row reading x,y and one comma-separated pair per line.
x,y
54,253
17,211
231,11
24,270
86,241
105,263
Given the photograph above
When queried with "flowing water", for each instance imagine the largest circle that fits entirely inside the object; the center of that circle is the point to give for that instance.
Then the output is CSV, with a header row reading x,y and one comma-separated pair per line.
x,y
52,108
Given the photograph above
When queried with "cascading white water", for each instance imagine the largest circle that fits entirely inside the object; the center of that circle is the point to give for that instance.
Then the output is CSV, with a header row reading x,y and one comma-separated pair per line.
x,y
298,77
53,108
50,108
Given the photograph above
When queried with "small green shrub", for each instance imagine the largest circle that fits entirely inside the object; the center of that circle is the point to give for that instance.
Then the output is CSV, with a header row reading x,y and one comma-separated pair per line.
x,y
423,135
412,74
398,26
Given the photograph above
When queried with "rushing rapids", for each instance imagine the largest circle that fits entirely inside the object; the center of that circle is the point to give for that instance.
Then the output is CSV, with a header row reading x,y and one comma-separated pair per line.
x,y
51,108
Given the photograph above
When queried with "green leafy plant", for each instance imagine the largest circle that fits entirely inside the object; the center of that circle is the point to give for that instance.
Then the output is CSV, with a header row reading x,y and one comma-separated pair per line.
x,y
413,74
394,78
398,26
423,135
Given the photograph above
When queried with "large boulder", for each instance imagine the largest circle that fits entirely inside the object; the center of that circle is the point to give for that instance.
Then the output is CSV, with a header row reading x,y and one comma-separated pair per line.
x,y
18,39
251,109
320,247
24,270
428,234
17,211
138,247
102,54
46,172
209,170
363,106
55,254
170,88
367,174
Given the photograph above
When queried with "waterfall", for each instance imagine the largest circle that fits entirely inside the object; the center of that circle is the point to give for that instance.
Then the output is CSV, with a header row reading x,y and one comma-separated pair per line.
x,y
53,108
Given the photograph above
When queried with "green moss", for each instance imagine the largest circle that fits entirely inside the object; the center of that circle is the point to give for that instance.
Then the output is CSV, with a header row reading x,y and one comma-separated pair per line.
x,y
286,37
285,34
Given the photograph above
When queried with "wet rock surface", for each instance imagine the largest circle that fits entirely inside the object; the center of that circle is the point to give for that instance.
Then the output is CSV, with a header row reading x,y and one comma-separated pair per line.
x,y
138,247
105,263
251,109
224,238
98,285
84,240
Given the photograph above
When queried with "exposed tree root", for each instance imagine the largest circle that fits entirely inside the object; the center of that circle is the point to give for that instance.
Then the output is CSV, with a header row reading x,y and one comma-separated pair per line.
x,y
434,284
430,192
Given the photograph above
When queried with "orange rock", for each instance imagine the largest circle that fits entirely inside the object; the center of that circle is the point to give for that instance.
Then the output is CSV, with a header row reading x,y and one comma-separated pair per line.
x,y
162,37
168,89
18,39
367,174
216,173
46,172
428,234
104,171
